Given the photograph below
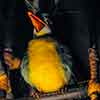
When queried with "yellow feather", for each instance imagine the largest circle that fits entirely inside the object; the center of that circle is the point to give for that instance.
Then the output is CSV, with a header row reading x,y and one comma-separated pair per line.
x,y
46,71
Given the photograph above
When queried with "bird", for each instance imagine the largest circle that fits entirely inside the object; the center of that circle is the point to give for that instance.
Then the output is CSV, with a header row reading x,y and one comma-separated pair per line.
x,y
47,64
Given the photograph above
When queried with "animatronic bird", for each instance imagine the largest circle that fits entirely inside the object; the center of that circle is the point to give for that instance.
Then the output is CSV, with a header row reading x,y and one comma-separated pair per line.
x,y
46,65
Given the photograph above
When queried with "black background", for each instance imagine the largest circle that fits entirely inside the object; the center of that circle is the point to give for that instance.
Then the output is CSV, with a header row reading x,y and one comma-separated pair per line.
x,y
71,27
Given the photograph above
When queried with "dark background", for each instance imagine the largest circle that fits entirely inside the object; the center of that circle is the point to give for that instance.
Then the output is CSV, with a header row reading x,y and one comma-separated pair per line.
x,y
71,27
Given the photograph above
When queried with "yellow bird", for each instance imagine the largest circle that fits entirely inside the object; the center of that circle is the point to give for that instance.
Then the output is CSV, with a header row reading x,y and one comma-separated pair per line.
x,y
43,66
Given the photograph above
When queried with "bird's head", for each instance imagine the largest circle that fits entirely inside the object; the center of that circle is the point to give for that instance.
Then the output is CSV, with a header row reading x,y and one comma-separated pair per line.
x,y
41,28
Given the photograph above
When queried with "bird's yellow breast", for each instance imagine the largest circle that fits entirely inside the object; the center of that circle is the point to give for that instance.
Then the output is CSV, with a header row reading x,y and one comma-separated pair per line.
x,y
46,71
